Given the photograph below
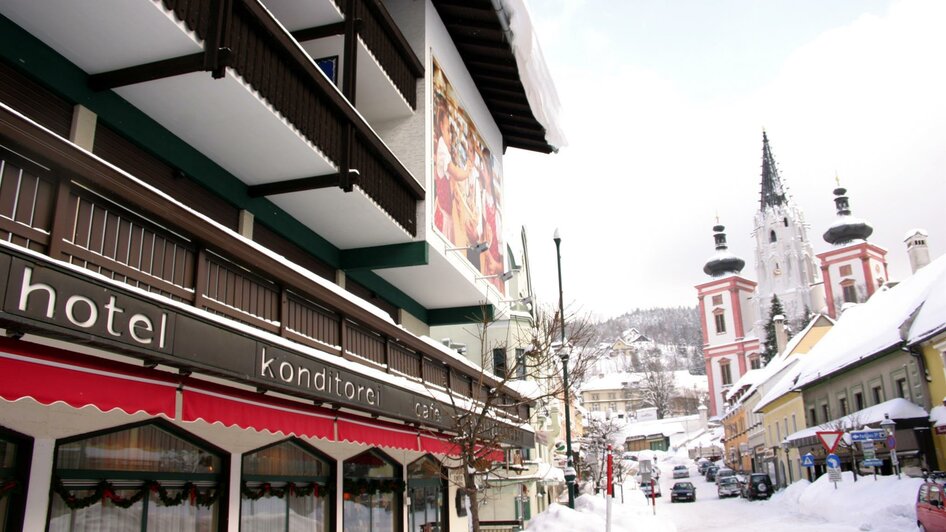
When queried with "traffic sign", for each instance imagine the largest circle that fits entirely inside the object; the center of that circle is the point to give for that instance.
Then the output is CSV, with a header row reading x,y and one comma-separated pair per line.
x,y
868,435
829,439
808,460
873,462
893,458
833,461
891,442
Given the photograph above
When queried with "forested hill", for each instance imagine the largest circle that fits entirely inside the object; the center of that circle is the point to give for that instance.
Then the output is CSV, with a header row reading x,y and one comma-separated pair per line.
x,y
678,326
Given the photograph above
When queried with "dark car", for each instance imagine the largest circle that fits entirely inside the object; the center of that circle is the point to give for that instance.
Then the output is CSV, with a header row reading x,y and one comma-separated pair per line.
x,y
711,473
757,486
702,466
683,491
728,487
930,511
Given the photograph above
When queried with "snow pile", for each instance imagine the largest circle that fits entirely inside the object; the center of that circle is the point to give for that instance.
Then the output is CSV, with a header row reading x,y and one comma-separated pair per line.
x,y
589,516
887,504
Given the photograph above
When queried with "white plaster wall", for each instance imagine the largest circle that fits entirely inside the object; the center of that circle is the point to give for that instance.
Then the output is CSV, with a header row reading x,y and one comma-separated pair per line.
x,y
712,336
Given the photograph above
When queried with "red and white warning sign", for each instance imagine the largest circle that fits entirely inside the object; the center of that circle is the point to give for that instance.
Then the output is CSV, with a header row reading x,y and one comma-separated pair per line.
x,y
830,439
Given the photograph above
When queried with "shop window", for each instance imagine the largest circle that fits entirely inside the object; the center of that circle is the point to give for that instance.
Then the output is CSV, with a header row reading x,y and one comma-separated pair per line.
x,y
15,455
373,493
287,486
427,489
142,477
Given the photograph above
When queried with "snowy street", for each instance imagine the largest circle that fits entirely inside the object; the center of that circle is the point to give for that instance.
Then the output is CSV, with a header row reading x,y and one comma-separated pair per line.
x,y
884,505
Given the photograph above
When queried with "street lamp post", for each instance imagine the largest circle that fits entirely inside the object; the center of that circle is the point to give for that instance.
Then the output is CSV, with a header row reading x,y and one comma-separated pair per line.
x,y
563,354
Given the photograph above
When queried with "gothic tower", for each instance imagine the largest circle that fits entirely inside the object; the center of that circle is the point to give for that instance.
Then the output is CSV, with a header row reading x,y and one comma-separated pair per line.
x,y
784,257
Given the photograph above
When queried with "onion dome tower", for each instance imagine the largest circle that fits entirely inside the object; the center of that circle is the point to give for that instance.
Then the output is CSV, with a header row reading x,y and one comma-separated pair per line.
x,y
723,262
855,268
847,228
726,317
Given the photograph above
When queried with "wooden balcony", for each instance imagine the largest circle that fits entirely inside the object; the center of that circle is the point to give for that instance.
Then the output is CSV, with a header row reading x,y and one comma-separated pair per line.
x,y
58,200
228,79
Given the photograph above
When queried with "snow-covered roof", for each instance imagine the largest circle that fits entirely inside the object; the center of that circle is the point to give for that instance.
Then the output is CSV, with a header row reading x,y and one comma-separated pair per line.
x,y
931,319
872,327
529,389
534,73
938,416
781,376
898,408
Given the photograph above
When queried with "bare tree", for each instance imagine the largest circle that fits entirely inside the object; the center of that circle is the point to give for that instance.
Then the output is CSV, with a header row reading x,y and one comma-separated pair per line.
x,y
658,385
499,395
598,435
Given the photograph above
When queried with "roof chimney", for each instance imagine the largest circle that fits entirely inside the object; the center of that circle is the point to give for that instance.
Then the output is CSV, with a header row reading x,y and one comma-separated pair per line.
x,y
917,249
781,338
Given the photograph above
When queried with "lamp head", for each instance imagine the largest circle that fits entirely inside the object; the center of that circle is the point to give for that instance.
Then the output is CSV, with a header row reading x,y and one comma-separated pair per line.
x,y
506,276
480,247
557,237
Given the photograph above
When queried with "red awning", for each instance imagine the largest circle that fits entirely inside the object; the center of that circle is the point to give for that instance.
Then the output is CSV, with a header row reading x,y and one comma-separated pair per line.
x,y
376,433
233,407
438,445
49,375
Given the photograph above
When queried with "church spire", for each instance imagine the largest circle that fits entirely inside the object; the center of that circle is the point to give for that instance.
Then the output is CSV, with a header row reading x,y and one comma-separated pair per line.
x,y
772,191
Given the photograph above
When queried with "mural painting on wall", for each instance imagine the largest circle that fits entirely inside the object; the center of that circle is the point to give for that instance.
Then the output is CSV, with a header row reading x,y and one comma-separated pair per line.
x,y
467,183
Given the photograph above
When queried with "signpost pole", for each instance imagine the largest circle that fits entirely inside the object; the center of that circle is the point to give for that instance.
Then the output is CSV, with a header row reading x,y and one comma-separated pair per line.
x,y
653,495
610,489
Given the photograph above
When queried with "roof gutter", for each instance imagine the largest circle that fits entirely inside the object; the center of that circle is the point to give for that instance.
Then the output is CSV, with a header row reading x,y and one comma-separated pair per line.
x,y
503,18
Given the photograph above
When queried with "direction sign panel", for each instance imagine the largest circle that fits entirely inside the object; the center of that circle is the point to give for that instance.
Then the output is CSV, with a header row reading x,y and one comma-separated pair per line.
x,y
873,462
833,461
808,460
829,439
868,435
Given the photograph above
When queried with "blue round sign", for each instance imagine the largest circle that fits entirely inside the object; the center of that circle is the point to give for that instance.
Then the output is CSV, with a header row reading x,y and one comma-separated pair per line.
x,y
891,442
833,461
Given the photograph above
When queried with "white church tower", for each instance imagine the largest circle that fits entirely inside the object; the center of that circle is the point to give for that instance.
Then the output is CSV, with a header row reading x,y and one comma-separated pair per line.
x,y
784,258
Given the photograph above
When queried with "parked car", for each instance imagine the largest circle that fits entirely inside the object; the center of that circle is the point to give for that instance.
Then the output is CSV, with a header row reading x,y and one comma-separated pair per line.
x,y
681,471
646,487
930,499
683,491
724,472
757,486
711,473
728,487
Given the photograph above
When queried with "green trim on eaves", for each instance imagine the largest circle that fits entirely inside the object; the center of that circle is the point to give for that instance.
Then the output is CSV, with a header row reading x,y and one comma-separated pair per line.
x,y
390,256
376,284
457,315
30,55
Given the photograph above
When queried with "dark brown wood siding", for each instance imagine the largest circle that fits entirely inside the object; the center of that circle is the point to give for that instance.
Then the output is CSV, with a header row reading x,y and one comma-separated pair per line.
x,y
35,101
140,163
272,240
364,293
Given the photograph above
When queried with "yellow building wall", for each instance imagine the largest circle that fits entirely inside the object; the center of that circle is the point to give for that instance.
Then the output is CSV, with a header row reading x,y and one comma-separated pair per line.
x,y
781,411
937,385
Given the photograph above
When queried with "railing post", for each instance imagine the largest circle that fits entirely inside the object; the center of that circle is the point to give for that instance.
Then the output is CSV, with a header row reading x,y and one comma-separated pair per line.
x,y
342,341
200,277
61,219
283,310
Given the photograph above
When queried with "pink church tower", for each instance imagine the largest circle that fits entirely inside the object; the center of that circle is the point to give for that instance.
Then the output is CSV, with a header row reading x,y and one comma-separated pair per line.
x,y
730,348
855,268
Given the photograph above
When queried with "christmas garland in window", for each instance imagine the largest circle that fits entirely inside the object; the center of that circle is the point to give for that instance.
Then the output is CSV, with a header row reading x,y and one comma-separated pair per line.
x,y
294,490
8,488
106,491
362,486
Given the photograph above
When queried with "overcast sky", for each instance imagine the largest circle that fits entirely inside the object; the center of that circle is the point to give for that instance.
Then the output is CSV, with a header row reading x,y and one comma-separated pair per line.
x,y
663,104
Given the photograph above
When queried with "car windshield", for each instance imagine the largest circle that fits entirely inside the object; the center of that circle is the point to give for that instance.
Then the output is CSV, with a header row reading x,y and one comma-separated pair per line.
x,y
727,480
683,485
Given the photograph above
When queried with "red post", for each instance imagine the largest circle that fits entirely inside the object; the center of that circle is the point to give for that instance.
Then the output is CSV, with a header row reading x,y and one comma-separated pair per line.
x,y
610,473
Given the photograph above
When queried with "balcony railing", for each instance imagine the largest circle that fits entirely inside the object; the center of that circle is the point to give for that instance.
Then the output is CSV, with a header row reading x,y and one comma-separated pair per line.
x,y
256,47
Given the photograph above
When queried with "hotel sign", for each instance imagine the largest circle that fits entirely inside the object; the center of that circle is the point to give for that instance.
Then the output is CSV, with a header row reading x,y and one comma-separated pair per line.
x,y
53,300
